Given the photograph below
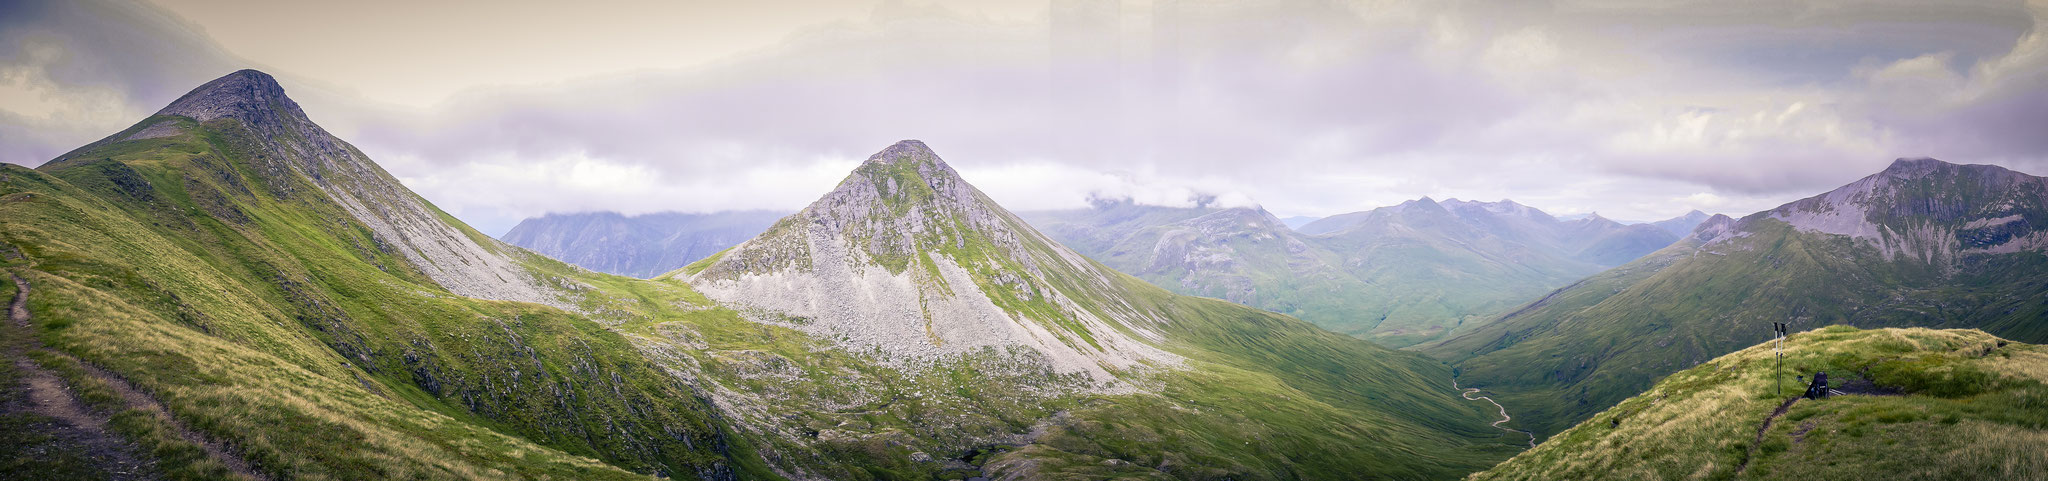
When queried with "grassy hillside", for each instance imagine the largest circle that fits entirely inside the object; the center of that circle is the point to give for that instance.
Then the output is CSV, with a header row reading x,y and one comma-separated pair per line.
x,y
265,318
1925,404
1262,397
1243,393
1585,347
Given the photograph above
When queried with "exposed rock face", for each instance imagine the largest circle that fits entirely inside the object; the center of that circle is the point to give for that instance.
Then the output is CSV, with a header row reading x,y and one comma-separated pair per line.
x,y
291,144
907,258
1931,211
639,246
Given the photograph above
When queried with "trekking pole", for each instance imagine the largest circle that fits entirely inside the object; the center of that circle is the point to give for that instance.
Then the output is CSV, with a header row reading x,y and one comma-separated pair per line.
x,y
1779,328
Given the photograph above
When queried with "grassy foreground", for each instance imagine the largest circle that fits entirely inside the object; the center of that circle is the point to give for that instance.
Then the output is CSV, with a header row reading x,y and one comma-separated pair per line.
x,y
1939,404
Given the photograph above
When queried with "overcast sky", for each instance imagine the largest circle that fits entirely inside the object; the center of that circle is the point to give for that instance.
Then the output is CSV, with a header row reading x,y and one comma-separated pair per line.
x,y
1643,110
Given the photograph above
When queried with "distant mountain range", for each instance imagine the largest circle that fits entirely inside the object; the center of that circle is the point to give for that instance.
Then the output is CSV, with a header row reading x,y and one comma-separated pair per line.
x,y
1924,243
637,246
1396,275
1296,222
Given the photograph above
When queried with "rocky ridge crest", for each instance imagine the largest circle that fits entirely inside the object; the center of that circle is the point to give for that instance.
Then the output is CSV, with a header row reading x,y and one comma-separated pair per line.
x,y
1930,211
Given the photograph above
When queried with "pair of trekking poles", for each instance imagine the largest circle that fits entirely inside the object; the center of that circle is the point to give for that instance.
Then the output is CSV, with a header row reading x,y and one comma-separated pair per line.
x,y
1819,388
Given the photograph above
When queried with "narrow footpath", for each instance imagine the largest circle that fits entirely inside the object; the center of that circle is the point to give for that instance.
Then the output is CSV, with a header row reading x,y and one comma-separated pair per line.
x,y
67,438
1467,393
1760,430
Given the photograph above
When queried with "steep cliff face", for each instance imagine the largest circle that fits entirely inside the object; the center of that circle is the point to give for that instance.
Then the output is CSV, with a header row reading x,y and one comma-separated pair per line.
x,y
905,257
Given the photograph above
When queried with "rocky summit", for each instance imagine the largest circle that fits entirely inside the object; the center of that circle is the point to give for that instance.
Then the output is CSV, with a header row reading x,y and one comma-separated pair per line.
x,y
905,257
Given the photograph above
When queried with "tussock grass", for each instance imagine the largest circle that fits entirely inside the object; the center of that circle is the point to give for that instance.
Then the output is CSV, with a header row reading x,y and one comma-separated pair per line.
x,y
1972,407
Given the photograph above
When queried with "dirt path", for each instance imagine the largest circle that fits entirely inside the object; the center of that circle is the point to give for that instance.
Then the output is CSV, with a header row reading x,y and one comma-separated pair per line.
x,y
1467,393
1760,430
17,310
49,396
58,435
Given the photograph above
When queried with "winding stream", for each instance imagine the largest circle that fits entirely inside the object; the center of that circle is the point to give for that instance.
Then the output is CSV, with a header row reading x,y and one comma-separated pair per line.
x,y
1467,393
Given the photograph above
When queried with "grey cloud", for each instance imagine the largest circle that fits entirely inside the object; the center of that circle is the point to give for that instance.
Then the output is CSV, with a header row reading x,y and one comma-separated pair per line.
x,y
103,63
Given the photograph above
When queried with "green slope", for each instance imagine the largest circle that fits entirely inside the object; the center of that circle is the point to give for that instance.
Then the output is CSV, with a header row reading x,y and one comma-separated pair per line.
x,y
229,285
1249,393
1583,348
265,322
1924,404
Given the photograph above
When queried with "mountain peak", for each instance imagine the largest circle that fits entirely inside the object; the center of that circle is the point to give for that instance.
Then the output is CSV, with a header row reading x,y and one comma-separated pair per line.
x,y
293,158
906,257
248,95
911,150
1914,165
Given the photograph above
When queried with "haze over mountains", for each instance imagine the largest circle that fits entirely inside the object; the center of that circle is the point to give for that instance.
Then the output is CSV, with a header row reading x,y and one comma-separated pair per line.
x,y
1396,275
637,246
